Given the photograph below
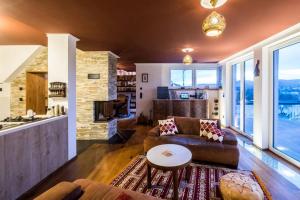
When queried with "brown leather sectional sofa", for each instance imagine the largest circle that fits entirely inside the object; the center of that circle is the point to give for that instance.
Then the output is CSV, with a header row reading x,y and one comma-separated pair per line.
x,y
202,148
84,189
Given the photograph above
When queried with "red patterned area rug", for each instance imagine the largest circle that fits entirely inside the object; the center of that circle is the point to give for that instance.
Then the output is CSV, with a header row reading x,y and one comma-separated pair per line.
x,y
203,183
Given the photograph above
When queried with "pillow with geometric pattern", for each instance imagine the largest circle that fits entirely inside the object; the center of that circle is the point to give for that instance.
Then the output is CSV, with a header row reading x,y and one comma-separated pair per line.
x,y
206,125
216,134
167,127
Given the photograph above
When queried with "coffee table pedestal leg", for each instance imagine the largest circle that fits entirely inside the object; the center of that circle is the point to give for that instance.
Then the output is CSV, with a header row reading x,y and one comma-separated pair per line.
x,y
175,184
149,176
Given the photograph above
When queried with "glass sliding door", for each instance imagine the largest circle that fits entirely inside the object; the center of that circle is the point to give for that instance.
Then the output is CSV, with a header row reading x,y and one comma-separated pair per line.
x,y
286,101
249,97
243,96
236,96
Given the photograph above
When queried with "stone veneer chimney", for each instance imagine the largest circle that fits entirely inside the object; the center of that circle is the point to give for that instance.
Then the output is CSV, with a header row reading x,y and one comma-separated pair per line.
x,y
103,63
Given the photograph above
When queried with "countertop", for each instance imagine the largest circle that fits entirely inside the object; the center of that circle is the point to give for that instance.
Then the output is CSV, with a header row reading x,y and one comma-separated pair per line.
x,y
21,126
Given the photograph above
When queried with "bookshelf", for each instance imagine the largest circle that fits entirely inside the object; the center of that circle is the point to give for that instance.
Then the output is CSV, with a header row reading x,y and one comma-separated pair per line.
x,y
126,84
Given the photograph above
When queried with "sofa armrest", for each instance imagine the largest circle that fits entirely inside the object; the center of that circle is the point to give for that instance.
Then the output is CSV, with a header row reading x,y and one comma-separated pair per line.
x,y
62,191
154,132
229,137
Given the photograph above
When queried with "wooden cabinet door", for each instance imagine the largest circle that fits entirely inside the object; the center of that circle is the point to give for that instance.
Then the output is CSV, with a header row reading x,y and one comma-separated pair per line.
x,y
36,92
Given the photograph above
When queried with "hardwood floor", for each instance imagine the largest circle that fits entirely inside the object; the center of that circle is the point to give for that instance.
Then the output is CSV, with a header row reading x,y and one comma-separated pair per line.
x,y
102,162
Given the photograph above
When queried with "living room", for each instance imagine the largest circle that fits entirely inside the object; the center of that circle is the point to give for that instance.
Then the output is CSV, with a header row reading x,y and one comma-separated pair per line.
x,y
195,99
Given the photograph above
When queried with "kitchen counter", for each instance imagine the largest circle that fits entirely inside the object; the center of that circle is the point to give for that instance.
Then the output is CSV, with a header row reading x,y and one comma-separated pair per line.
x,y
11,126
30,152
162,108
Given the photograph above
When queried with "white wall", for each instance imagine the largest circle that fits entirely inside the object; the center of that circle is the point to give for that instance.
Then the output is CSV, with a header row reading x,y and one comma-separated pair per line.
x,y
148,90
13,57
62,68
4,100
158,75
262,90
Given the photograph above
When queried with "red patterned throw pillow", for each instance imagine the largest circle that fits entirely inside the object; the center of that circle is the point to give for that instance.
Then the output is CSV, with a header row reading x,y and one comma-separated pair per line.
x,y
206,125
167,127
216,134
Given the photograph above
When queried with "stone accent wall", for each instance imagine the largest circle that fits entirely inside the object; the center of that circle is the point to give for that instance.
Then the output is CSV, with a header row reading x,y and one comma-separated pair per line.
x,y
38,63
90,90
112,73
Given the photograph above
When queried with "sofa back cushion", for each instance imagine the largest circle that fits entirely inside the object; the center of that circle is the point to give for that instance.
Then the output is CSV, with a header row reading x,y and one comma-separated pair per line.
x,y
189,126
63,190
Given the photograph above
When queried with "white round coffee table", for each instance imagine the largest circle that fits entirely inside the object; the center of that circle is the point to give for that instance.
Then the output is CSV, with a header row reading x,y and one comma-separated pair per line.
x,y
169,157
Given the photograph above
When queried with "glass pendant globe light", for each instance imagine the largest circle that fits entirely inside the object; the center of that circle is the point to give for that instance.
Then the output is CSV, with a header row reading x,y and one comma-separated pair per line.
x,y
187,59
214,25
211,4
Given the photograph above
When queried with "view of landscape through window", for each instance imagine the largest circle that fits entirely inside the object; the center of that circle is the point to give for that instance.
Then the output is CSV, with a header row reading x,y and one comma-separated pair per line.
x,y
249,96
181,78
246,69
287,100
236,96
204,78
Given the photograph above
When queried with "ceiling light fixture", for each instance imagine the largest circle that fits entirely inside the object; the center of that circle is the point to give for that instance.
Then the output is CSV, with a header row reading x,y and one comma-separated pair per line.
x,y
214,24
187,59
211,4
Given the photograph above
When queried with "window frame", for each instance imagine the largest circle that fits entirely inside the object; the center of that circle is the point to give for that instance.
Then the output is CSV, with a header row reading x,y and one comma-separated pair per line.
x,y
280,45
194,68
170,82
217,73
240,61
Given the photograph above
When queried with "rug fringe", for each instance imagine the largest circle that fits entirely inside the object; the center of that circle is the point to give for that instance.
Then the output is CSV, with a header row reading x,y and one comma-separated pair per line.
x,y
263,186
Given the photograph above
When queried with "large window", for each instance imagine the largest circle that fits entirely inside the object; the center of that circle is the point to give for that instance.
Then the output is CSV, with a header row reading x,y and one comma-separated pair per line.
x,y
198,78
243,96
181,78
249,97
286,106
206,78
236,96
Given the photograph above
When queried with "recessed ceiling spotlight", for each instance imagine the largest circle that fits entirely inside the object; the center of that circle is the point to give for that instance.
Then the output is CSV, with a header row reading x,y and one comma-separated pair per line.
x,y
211,4
187,50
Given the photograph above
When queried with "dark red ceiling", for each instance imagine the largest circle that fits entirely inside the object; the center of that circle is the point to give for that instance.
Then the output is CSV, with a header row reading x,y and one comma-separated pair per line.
x,y
146,30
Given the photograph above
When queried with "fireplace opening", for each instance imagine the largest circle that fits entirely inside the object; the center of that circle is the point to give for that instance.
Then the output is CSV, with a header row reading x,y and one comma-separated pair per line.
x,y
103,111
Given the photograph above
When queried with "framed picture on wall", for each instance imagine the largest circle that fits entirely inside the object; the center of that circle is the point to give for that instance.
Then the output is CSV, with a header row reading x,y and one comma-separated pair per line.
x,y
145,78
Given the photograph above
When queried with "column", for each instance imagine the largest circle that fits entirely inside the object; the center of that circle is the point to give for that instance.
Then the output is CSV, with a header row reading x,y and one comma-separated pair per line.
x,y
62,68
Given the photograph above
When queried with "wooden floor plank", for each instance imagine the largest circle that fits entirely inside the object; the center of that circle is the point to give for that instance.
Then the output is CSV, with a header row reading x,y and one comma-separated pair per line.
x,y
102,162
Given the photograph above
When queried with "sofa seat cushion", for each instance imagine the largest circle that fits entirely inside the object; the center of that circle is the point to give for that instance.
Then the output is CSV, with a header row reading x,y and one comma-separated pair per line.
x,y
229,138
202,148
189,141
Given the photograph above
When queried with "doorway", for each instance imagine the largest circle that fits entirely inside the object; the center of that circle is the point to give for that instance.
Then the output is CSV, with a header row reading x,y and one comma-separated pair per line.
x,y
37,92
